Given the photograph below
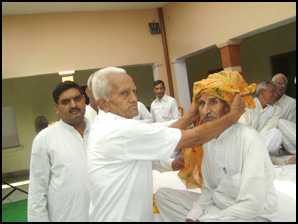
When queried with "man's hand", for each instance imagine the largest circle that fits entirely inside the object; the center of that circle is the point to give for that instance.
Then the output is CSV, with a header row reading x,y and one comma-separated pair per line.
x,y
238,104
292,160
237,107
178,163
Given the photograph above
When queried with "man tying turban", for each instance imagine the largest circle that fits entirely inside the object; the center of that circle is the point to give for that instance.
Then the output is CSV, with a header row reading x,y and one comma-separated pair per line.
x,y
234,170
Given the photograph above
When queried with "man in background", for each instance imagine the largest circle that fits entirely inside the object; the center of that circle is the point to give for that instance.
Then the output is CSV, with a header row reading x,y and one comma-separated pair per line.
x,y
58,168
265,117
91,108
164,107
287,121
144,115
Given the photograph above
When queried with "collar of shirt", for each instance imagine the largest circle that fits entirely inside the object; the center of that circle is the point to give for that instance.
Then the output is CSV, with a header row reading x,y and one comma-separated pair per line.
x,y
164,98
71,128
107,117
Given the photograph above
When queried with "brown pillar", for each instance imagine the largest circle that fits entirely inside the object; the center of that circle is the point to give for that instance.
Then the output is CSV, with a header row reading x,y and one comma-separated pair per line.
x,y
230,55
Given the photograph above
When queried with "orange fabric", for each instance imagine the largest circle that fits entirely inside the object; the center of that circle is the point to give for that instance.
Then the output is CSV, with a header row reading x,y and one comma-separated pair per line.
x,y
223,85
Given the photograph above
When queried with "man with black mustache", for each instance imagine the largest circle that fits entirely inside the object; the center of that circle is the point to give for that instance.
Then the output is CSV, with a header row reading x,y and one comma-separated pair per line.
x,y
164,108
58,181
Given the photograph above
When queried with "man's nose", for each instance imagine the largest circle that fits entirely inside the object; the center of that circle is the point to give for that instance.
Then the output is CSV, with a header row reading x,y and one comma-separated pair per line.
x,y
73,103
206,109
133,96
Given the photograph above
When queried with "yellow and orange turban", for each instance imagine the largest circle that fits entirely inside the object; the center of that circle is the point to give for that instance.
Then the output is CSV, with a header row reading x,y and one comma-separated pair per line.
x,y
223,85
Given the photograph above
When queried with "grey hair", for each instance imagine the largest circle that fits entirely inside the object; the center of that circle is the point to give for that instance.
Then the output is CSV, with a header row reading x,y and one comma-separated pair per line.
x,y
280,75
100,84
263,85
90,80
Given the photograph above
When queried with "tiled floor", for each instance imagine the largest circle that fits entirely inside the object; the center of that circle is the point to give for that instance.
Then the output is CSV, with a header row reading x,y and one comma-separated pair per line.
x,y
13,178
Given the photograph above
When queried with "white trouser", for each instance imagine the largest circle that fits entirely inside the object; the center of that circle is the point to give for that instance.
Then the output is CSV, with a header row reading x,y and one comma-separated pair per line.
x,y
273,140
288,130
174,206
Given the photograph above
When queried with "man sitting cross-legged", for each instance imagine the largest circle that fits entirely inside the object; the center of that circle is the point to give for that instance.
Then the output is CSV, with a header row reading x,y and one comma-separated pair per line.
x,y
233,170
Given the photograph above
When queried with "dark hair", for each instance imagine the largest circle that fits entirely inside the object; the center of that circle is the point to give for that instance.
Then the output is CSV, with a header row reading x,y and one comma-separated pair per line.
x,y
157,82
63,86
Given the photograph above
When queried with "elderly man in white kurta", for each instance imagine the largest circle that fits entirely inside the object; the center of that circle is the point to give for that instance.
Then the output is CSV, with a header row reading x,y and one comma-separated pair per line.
x,y
91,109
58,167
236,174
164,107
120,149
265,117
287,121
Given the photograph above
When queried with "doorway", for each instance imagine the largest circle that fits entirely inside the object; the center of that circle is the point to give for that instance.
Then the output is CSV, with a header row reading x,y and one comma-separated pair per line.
x,y
286,64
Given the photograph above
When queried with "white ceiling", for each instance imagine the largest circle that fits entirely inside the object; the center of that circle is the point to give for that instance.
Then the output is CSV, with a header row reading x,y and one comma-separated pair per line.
x,y
19,8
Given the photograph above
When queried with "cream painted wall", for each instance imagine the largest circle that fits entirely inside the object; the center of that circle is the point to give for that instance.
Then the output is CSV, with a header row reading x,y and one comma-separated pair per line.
x,y
194,26
49,43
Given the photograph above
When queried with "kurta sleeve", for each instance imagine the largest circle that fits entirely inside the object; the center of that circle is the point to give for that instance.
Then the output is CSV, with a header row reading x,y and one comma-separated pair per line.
x,y
245,118
272,122
162,165
39,181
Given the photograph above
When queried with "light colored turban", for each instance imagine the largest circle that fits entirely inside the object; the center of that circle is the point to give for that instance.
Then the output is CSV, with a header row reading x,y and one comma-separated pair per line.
x,y
223,85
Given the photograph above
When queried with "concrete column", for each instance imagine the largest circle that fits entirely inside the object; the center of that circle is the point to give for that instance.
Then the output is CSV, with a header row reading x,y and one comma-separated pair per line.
x,y
230,55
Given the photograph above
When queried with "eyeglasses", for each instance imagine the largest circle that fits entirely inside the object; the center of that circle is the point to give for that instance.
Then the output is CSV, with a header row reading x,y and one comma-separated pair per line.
x,y
281,84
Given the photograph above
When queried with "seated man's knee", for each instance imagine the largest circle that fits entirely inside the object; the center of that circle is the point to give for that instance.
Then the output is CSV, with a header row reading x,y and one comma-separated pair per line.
x,y
161,194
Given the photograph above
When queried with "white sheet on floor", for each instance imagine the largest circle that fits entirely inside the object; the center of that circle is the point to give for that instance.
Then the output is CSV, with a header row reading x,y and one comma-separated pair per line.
x,y
285,185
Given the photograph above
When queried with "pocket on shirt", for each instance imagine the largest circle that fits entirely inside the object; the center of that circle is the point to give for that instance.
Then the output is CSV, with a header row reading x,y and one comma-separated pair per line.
x,y
165,113
232,184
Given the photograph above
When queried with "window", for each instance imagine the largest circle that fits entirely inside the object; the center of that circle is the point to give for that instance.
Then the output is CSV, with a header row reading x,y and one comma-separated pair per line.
x,y
10,138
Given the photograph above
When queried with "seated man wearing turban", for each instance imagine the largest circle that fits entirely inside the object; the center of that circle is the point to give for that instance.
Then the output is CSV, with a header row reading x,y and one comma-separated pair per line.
x,y
234,170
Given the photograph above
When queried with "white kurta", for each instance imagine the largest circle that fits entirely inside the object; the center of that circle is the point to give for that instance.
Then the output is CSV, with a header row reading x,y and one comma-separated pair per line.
x,y
144,115
58,175
164,110
119,166
288,107
238,181
265,122
90,113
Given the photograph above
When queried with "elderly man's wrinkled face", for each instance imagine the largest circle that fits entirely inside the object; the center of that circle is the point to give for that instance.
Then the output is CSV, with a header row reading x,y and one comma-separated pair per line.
x,y
211,107
123,99
281,86
269,94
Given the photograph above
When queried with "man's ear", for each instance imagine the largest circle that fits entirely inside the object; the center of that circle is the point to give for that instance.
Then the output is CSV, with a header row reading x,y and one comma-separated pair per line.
x,y
56,108
87,91
102,103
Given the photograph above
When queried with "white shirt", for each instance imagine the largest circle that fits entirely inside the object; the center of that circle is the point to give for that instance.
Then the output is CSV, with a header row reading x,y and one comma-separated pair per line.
x,y
119,166
58,175
90,113
261,119
238,177
164,110
144,115
288,107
